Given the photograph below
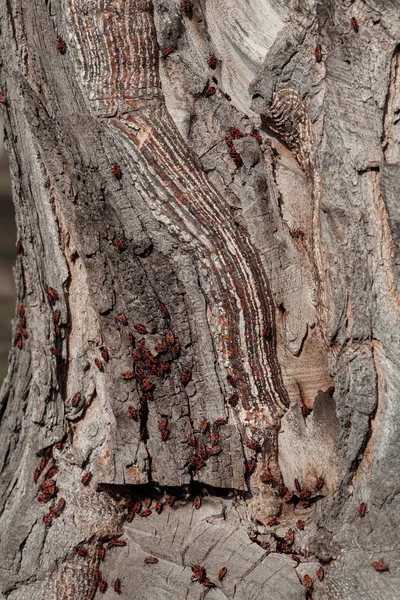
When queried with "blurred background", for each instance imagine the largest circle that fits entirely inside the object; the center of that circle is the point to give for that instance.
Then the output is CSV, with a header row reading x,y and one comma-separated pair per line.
x,y
8,240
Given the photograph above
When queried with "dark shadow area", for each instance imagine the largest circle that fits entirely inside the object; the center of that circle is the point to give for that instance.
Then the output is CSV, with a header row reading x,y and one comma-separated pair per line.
x,y
7,259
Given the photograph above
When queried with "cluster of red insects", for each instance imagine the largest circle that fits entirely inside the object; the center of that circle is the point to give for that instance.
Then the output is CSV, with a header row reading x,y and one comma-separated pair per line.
x,y
235,134
101,553
200,575
48,488
21,333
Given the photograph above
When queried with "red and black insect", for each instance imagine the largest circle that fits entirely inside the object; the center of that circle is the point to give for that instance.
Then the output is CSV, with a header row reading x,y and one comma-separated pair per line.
x,y
101,553
81,551
104,354
170,500
210,91
380,566
99,365
186,376
76,398
250,467
308,582
146,385
203,426
186,7
60,45
158,507
119,243
362,508
220,422
170,337
354,24
47,520
127,375
102,586
214,450
54,351
266,477
116,542
52,295
319,484
151,560
18,341
300,524
116,171
19,243
320,574
167,52
212,62
233,400
117,586
22,322
165,434
122,319
318,53
227,96
56,316
146,513
214,438
140,329
296,233
199,573
132,413
197,502
20,310
252,444
162,424
207,583
304,494
60,504
305,503
288,497
86,477
272,521
3,100
202,451
137,507
289,537
222,572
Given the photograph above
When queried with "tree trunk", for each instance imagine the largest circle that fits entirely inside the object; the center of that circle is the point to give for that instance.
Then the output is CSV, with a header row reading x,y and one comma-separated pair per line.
x,y
208,309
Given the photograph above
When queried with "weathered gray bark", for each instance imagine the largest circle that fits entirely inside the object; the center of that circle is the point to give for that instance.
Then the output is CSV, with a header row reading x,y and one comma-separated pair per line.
x,y
280,278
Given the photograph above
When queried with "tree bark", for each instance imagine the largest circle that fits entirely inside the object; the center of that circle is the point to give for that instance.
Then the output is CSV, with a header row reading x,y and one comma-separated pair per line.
x,y
207,279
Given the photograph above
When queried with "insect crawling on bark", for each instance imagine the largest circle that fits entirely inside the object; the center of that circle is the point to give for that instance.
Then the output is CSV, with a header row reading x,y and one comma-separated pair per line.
x,y
18,341
117,586
320,574
362,508
354,24
60,45
116,171
137,507
203,425
81,551
3,100
119,244
52,295
222,572
170,500
380,566
101,553
266,477
318,53
214,438
47,520
105,356
102,586
170,337
132,413
165,434
146,513
158,507
197,502
220,422
99,365
300,524
252,444
116,542
86,477
167,52
214,450
307,582
151,560
227,96
199,573
186,377
288,497
212,62
122,319
289,537
140,329
272,521
210,91
127,375
319,484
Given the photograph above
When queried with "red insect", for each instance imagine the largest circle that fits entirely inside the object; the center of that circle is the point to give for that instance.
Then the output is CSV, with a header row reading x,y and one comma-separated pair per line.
x,y
52,295
233,400
214,450
266,477
36,475
296,233
146,385
176,349
202,451
140,329
227,96
101,553
117,586
60,45
319,484
24,332
54,351
164,309
86,477
81,551
305,504
48,484
146,513
56,316
267,331
22,322
307,582
300,524
380,566
250,466
197,462
127,375
54,512
98,576
207,583
116,171
18,341
214,438
354,24
203,425
119,244
197,502
289,537
20,310
116,542
192,440
318,53
272,521
212,62
164,435
137,507
362,508
185,7
3,100
151,560
252,444
99,365
162,424
76,399
220,422
199,573
105,356
320,574
167,52
122,319
210,91
132,413
130,515
19,243
186,376
305,494
102,586
158,507
222,572
170,500
47,520
288,497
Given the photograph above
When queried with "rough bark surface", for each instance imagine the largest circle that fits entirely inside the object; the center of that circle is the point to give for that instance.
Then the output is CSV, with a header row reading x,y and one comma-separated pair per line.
x,y
242,272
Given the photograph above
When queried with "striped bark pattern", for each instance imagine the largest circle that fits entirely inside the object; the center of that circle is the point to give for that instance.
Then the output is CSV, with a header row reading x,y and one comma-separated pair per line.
x,y
118,51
